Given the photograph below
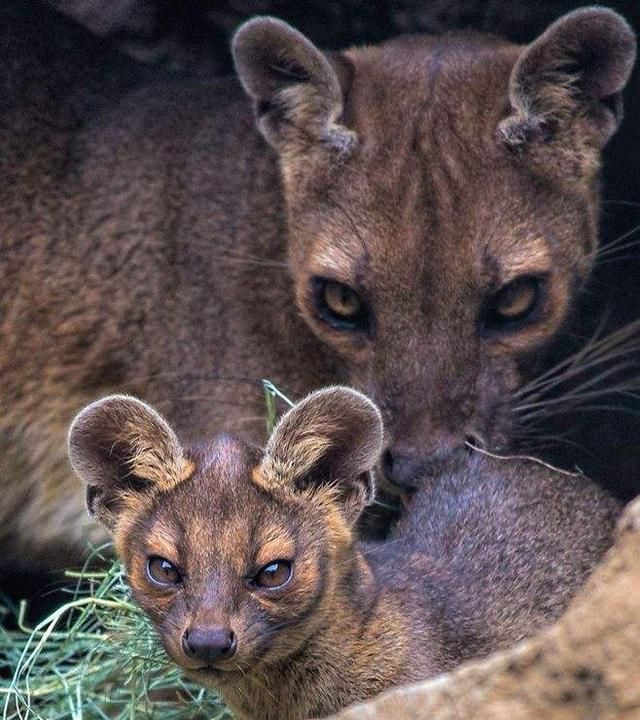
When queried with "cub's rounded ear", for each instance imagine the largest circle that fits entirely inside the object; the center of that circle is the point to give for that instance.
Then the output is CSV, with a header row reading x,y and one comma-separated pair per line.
x,y
296,91
122,448
573,73
331,438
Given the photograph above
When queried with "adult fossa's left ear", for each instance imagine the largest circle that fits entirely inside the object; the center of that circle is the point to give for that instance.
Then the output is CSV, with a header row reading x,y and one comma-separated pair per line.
x,y
123,449
569,80
295,88
331,439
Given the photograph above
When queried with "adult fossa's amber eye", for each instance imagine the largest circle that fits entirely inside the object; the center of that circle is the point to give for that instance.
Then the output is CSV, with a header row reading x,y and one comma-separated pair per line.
x,y
162,572
515,303
341,300
517,298
339,305
274,575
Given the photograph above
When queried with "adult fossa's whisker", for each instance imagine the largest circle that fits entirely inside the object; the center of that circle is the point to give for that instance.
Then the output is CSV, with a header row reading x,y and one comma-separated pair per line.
x,y
621,258
569,362
562,405
611,253
584,391
597,352
616,244
586,387
629,203
531,458
531,439
572,410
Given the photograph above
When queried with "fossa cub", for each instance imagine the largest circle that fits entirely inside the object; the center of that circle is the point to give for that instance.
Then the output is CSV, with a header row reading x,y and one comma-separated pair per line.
x,y
247,562
415,219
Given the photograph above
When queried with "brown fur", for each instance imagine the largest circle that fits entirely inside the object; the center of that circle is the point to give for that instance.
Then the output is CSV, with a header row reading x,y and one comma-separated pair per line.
x,y
155,242
487,555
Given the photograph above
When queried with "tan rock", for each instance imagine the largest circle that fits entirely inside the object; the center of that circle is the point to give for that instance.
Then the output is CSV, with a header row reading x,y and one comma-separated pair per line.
x,y
585,667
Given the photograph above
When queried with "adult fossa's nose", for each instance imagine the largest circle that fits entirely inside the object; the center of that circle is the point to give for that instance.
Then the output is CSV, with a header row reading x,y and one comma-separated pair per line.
x,y
209,644
406,468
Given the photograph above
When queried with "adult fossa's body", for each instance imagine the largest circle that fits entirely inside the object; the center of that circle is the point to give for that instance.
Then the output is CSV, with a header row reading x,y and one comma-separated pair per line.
x,y
415,219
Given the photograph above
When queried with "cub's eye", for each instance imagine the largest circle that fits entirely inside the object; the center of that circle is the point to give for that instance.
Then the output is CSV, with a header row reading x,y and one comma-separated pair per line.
x,y
516,302
162,572
273,575
339,306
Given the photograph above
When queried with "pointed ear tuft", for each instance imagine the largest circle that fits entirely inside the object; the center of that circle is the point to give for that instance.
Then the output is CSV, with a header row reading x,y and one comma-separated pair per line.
x,y
573,74
331,438
296,91
122,448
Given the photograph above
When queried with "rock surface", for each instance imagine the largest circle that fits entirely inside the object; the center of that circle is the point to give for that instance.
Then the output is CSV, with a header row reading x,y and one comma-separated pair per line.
x,y
586,666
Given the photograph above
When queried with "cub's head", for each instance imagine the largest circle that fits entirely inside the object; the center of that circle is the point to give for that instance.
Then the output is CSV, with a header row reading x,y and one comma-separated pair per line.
x,y
442,198
234,552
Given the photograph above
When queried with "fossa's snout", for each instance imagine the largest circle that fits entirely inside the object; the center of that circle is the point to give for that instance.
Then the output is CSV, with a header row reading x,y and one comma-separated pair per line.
x,y
209,644
405,469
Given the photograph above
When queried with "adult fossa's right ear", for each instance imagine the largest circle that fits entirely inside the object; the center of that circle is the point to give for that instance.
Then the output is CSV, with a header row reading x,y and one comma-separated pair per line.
x,y
569,81
124,451
295,88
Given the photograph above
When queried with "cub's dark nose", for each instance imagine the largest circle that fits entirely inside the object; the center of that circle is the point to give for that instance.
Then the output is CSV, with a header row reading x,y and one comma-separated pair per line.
x,y
209,645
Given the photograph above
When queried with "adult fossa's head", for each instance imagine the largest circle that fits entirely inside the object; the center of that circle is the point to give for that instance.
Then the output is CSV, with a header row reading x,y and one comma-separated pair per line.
x,y
442,199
